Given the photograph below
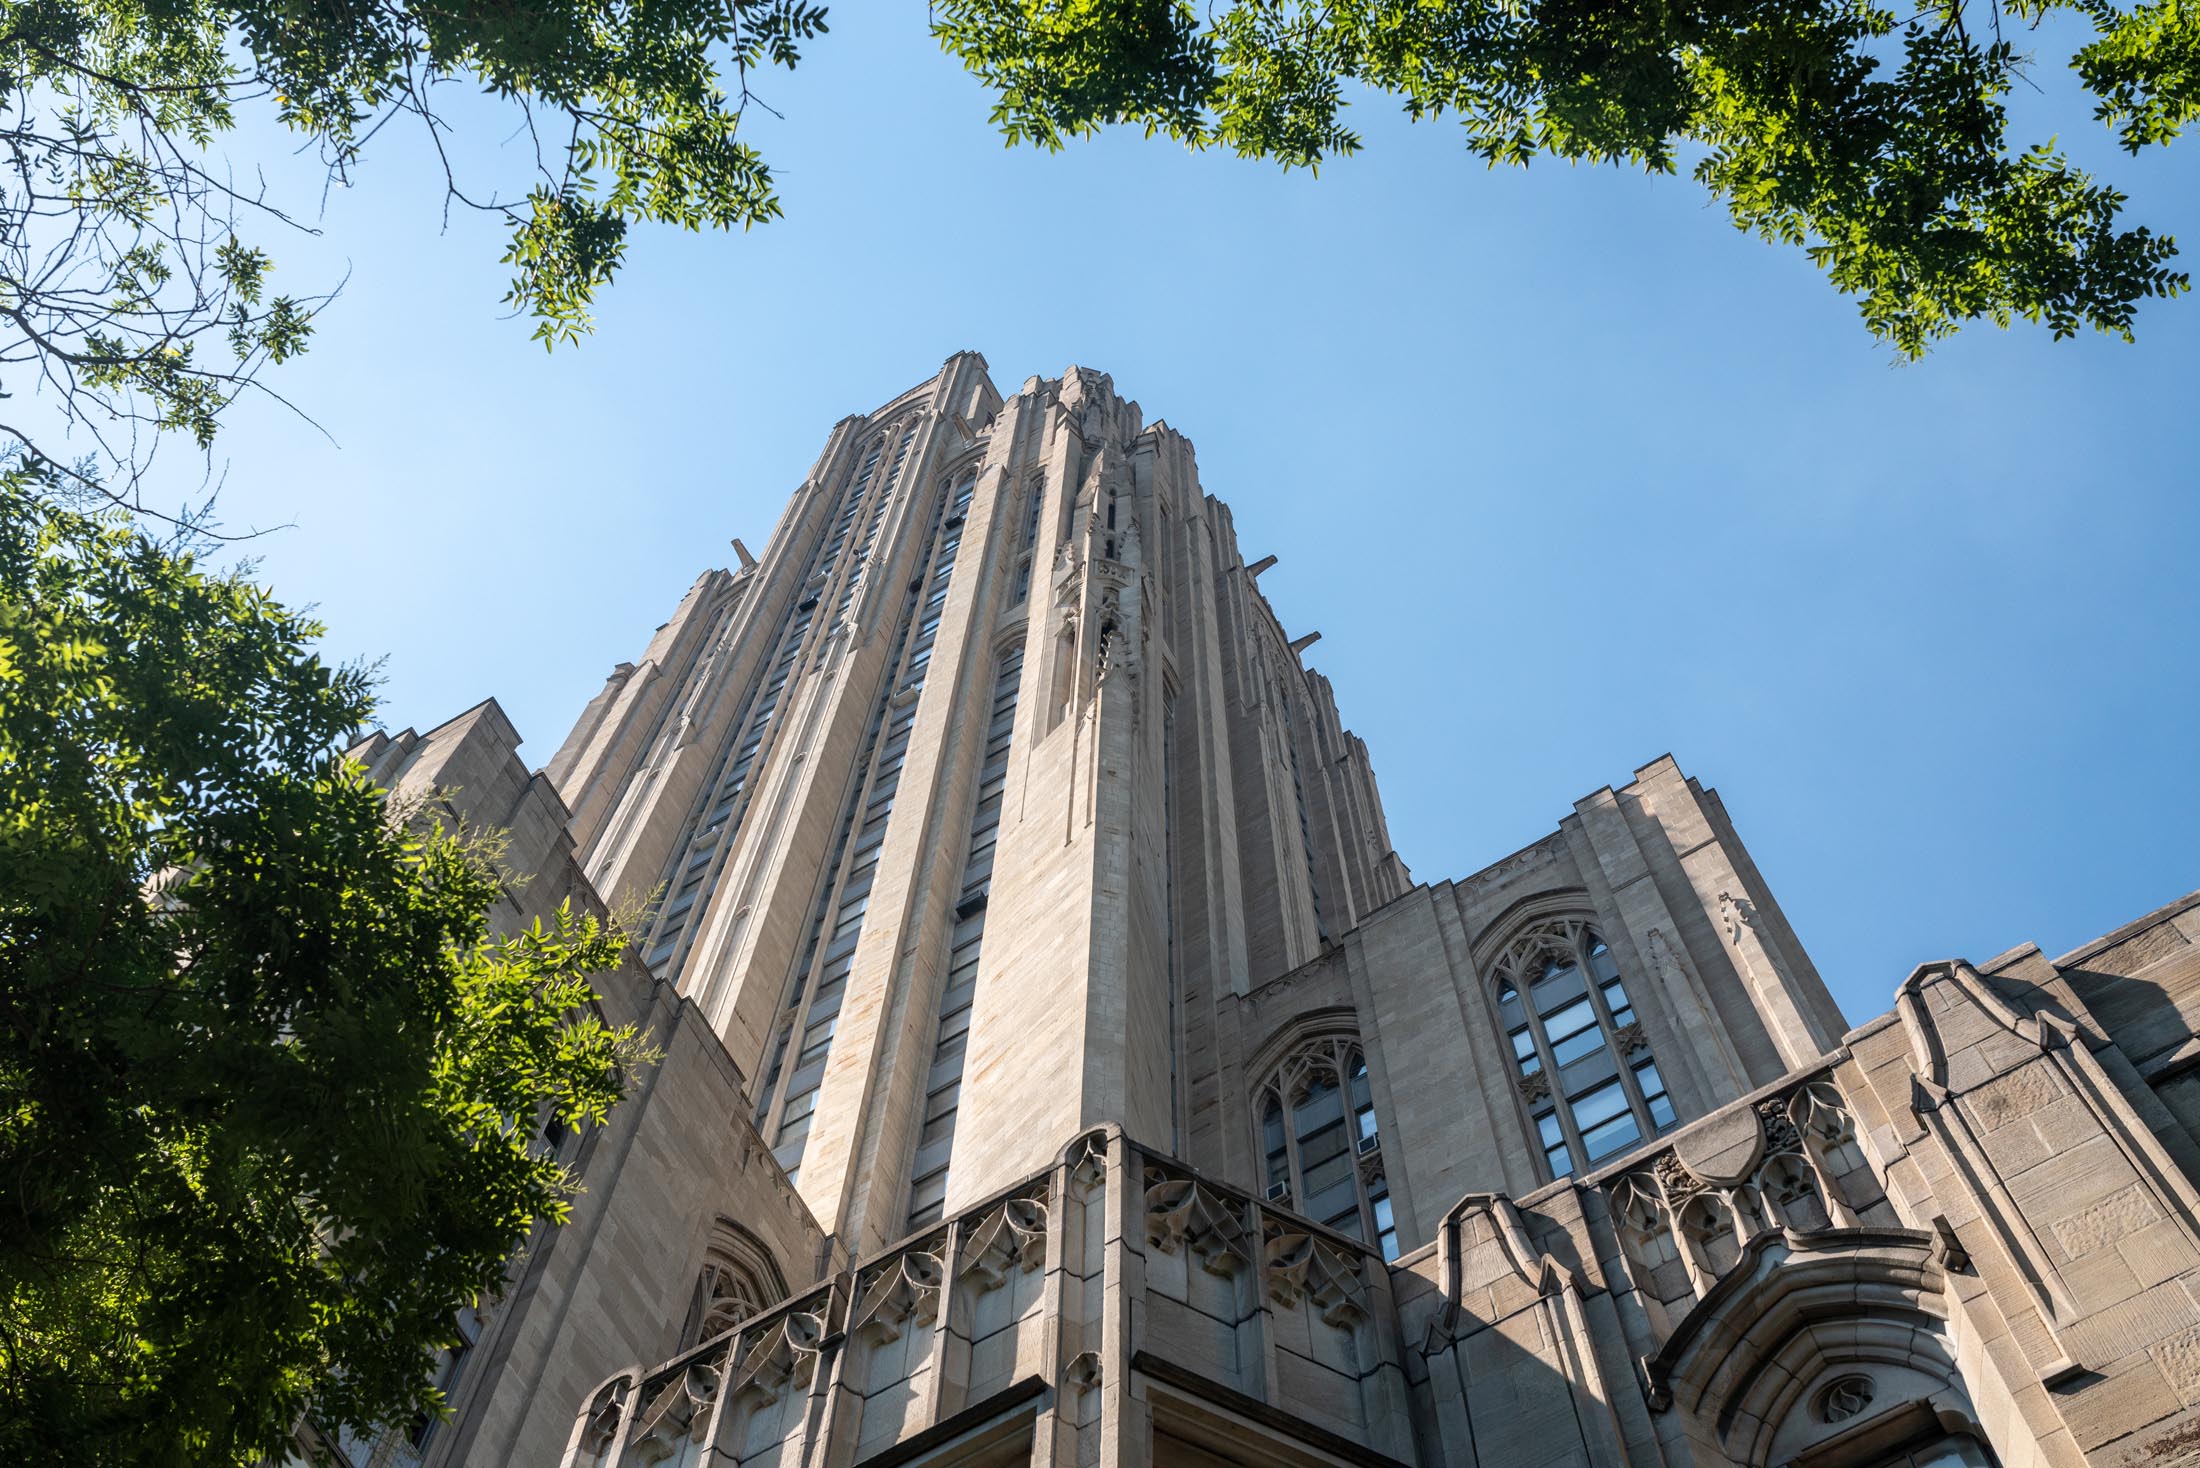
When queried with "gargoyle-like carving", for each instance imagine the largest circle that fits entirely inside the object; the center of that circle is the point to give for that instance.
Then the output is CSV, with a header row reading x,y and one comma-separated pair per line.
x,y
1739,913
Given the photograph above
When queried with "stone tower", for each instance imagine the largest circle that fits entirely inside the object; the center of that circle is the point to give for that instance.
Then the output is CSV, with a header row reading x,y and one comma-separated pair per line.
x,y
972,796
1060,1066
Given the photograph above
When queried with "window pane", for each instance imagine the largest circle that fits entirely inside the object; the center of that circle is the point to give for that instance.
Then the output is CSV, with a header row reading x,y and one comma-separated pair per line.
x,y
1603,1141
1570,1020
1587,1074
1271,1130
1573,1047
1599,1105
1324,1158
1558,988
1337,1206
1653,1094
1552,1132
1321,1106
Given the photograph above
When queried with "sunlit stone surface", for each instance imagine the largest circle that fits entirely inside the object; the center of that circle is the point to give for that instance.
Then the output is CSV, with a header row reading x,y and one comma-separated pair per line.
x,y
1061,1068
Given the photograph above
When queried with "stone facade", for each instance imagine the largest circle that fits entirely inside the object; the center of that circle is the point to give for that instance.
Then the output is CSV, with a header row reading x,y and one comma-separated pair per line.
x,y
1060,1067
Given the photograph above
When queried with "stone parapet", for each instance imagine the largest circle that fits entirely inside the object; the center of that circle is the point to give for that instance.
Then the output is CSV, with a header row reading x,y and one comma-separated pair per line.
x,y
1112,1301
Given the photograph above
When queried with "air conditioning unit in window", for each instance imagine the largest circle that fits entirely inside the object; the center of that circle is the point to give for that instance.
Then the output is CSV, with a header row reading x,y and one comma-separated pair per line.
x,y
1369,1146
1279,1192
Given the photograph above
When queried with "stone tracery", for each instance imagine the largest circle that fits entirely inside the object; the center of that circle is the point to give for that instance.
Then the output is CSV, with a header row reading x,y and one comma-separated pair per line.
x,y
1785,1181
1583,1065
1319,1140
738,1281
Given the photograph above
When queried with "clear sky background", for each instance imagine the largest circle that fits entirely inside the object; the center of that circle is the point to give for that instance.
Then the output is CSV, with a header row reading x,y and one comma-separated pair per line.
x,y
1567,472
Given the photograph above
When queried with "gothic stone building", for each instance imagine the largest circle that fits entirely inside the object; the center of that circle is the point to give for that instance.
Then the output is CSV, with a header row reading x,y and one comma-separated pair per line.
x,y
1061,1068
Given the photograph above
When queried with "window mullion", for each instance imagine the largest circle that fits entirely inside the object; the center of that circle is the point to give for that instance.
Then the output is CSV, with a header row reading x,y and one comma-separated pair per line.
x,y
1560,1106
1621,1061
1291,1143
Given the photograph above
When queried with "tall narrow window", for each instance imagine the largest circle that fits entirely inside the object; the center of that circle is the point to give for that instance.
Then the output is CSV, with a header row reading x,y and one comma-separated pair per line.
x,y
943,1084
820,979
1320,1146
1306,829
1031,542
1582,1065
699,863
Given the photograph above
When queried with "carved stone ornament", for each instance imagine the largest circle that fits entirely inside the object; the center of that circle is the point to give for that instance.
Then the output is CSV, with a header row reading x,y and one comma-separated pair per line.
x,y
1083,1372
1842,1398
1781,1136
1638,1202
904,1291
1012,1237
1818,1110
1371,1167
677,1409
784,1355
1534,1086
601,1433
1630,1038
1677,1181
1299,1266
1181,1214
1088,1166
1543,853
1739,913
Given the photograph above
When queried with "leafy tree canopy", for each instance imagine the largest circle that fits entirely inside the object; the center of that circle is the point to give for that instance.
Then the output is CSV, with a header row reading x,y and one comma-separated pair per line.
x,y
1875,139
130,283
135,292
268,1085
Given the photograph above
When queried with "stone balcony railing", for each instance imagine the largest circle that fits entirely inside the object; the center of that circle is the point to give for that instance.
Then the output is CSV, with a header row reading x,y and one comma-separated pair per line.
x,y
1116,1295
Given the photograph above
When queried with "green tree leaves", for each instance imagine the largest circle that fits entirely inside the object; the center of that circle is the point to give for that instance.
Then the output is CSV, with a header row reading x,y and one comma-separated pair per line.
x,y
125,288
268,1084
1880,147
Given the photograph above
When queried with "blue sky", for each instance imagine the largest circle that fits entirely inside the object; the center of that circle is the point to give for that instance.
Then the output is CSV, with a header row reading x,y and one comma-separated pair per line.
x,y
1566,471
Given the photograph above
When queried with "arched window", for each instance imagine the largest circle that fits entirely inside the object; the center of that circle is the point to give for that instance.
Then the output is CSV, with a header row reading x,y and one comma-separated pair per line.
x,y
1584,1068
1318,1137
738,1280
